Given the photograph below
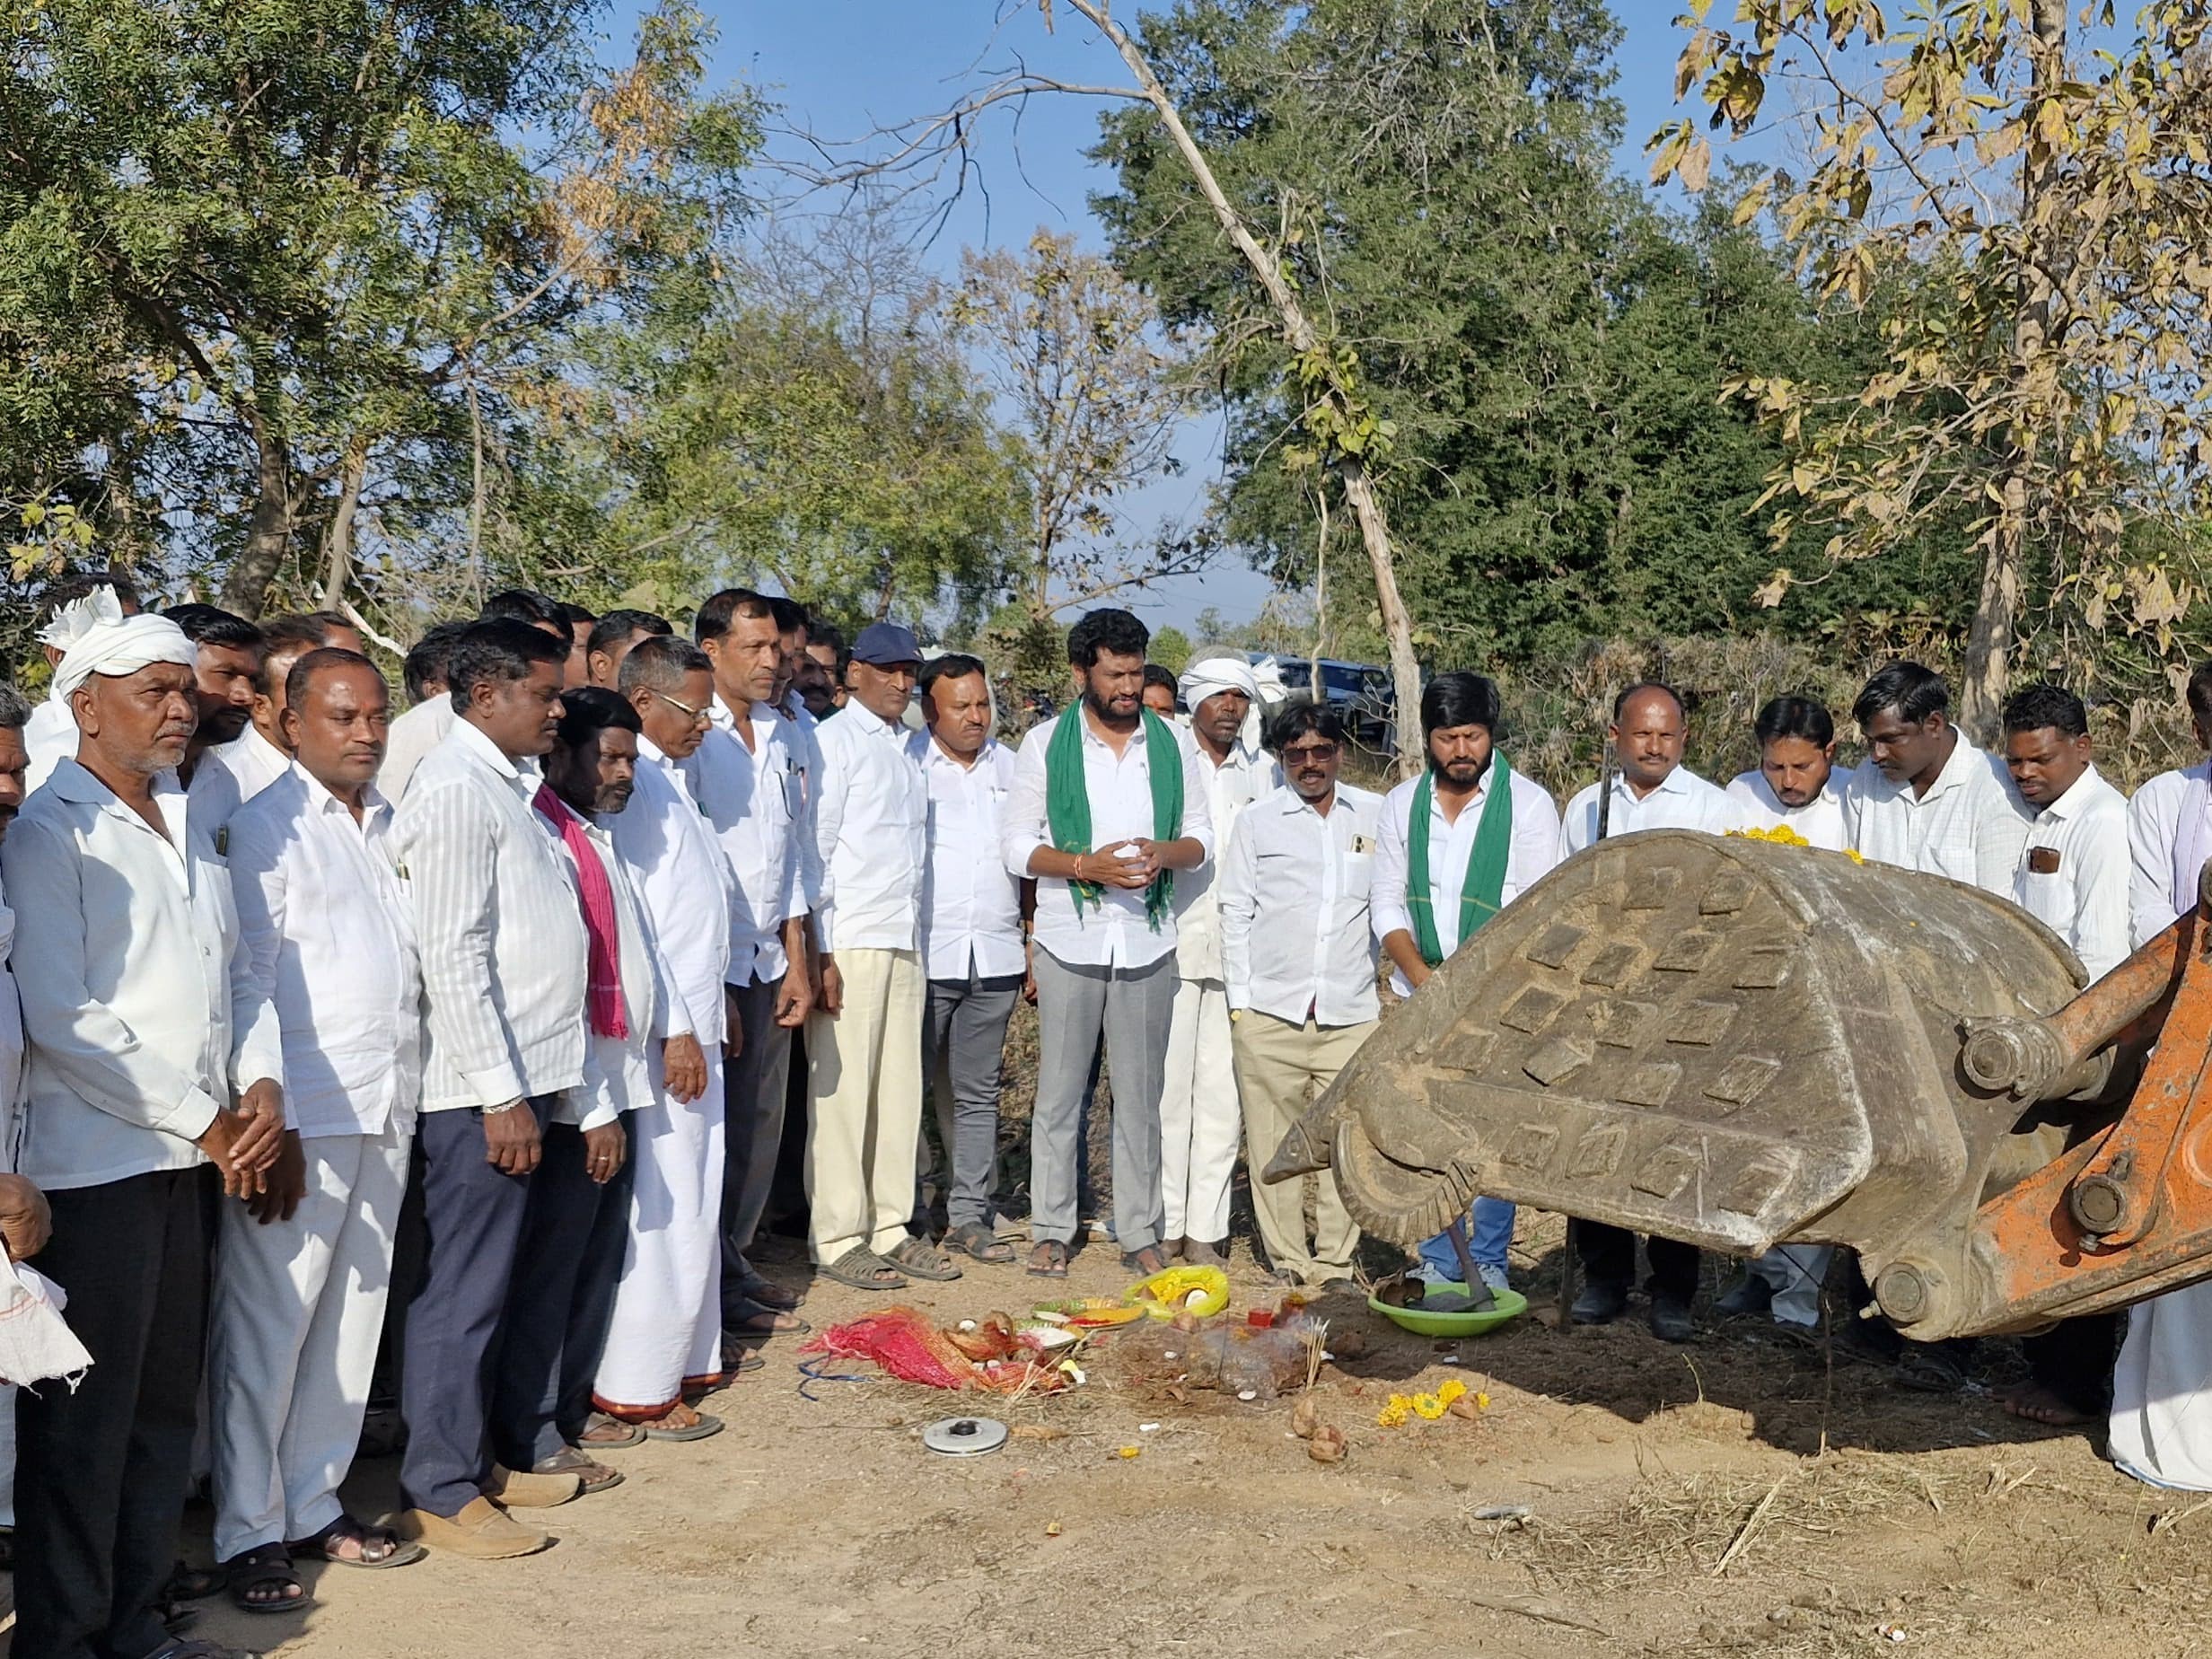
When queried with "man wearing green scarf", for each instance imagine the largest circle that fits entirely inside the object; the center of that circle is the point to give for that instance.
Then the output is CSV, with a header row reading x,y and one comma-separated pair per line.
x,y
1107,805
1458,844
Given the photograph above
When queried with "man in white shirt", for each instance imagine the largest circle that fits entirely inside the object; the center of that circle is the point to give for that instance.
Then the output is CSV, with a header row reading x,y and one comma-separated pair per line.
x,y
613,637
2073,878
51,735
1929,799
973,951
502,950
666,1328
749,776
1297,953
423,727
577,1222
133,1068
864,1042
227,661
301,1271
256,757
1654,790
1198,1115
1109,808
1796,785
2161,1425
1480,848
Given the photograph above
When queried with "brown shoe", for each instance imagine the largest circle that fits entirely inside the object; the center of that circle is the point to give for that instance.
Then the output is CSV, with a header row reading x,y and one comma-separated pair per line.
x,y
511,1489
482,1532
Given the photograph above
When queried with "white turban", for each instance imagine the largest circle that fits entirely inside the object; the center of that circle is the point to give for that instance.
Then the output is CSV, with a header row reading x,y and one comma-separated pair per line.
x,y
1213,674
95,637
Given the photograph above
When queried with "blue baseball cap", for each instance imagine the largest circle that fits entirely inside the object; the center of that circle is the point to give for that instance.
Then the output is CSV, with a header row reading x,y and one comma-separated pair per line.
x,y
882,643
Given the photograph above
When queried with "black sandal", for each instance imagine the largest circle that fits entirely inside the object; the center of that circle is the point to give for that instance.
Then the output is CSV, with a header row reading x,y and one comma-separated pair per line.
x,y
863,1270
377,1548
978,1240
1049,1259
916,1255
257,1568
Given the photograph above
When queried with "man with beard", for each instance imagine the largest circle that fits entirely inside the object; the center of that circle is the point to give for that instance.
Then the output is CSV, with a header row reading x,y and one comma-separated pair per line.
x,y
123,903
820,677
303,1270
1653,790
504,962
1795,787
577,1219
1297,956
1107,806
226,662
1198,1114
666,1330
1458,844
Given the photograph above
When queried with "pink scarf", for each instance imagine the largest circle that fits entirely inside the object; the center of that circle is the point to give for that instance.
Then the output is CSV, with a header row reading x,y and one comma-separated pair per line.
x,y
595,893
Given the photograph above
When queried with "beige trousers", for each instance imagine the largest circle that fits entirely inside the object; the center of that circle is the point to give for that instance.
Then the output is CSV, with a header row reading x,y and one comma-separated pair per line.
x,y
1280,1068
865,1068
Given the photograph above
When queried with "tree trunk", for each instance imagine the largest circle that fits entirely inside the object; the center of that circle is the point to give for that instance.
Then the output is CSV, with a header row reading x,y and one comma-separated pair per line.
x,y
1985,674
337,542
269,532
1298,331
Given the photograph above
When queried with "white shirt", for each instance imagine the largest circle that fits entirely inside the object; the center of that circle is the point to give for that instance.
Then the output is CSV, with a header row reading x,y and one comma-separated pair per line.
x,y
871,834
1969,826
252,760
1819,820
2083,901
971,904
503,944
411,736
2171,806
1681,801
618,1072
1244,775
1115,933
50,738
756,799
129,1016
10,1043
330,943
1532,856
1293,895
683,884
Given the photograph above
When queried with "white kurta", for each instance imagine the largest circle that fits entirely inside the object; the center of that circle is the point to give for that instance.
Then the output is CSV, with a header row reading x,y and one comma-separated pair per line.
x,y
667,1323
2160,1427
1819,820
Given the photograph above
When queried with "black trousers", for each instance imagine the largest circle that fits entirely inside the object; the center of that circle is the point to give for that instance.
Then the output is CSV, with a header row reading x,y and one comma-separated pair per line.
x,y
2073,1360
101,1471
559,1304
472,1218
1608,1257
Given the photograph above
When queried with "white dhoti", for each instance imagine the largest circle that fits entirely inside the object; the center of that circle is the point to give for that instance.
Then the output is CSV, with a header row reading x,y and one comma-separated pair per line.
x,y
293,1322
667,1324
1200,1121
2160,1427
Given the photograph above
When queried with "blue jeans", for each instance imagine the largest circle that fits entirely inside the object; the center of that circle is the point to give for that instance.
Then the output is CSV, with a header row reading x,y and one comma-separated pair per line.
x,y
1489,1230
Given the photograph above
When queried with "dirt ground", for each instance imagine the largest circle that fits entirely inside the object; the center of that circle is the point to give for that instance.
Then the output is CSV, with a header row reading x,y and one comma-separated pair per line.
x,y
1733,1497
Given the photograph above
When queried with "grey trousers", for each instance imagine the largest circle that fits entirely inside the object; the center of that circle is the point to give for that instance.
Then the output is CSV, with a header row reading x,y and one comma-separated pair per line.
x,y
752,1100
963,1051
1131,1007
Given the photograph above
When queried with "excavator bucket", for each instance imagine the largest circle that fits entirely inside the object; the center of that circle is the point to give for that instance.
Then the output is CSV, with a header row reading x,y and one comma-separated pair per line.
x,y
1721,1041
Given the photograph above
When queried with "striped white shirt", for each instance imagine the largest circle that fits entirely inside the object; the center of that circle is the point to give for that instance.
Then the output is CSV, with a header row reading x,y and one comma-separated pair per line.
x,y
502,939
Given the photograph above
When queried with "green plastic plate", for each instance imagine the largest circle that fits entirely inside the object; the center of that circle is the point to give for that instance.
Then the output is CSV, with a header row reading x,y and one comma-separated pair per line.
x,y
1510,1305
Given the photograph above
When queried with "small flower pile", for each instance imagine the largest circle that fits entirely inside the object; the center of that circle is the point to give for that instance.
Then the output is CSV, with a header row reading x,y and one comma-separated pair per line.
x,y
1782,835
1401,1408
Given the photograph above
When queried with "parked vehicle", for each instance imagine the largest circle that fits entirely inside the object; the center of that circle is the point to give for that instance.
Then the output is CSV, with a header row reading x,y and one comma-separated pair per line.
x,y
1361,692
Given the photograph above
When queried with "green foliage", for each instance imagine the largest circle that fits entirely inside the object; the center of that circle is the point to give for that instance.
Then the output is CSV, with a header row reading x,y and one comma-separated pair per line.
x,y
1170,649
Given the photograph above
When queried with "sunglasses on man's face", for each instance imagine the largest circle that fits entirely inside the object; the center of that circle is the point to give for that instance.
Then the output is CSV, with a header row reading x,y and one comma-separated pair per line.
x,y
1309,751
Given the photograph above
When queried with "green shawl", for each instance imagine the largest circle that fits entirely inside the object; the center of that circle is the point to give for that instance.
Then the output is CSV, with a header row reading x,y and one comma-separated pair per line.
x,y
1483,892
1068,803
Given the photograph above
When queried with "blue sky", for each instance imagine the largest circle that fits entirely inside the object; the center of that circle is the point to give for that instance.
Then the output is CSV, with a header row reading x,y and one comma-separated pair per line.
x,y
841,67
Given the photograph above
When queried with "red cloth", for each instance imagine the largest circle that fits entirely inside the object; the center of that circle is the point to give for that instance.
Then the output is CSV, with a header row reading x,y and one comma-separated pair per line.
x,y
595,893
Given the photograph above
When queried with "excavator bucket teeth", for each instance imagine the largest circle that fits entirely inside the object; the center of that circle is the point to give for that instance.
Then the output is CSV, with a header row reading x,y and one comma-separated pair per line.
x,y
1721,1041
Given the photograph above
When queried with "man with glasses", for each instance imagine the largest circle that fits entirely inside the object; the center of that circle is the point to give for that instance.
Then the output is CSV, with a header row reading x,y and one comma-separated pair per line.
x,y
1298,957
